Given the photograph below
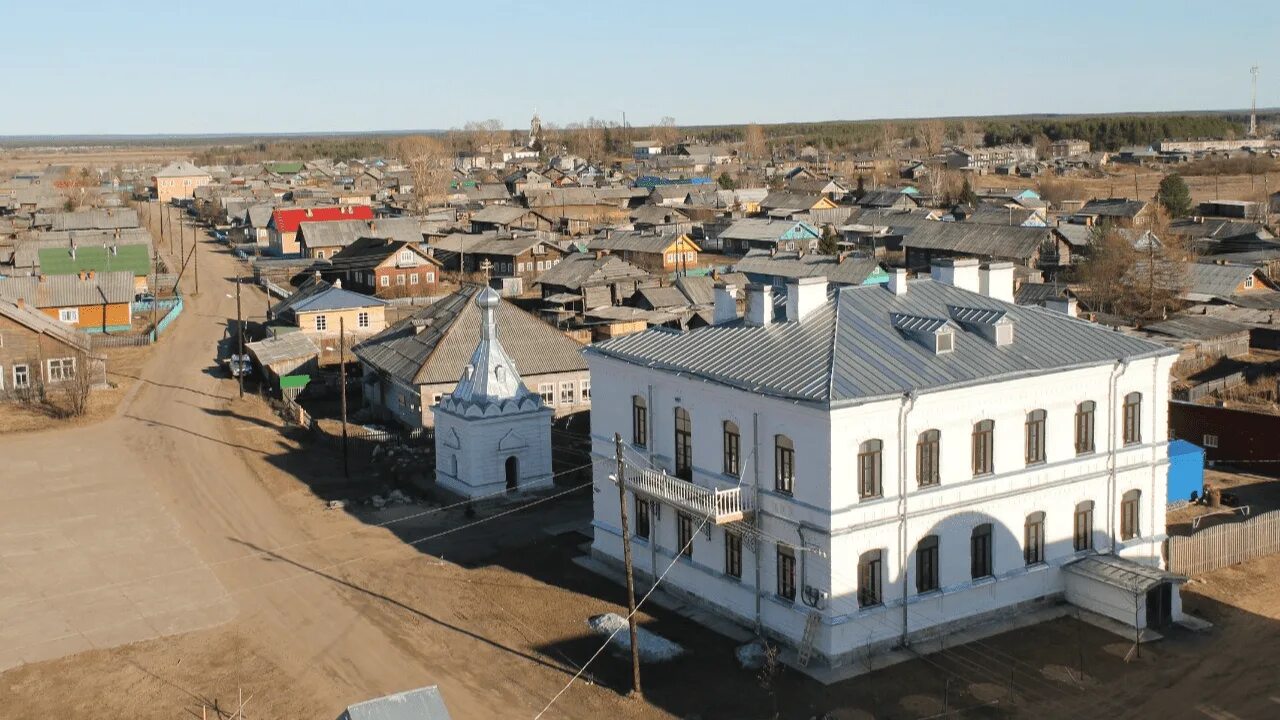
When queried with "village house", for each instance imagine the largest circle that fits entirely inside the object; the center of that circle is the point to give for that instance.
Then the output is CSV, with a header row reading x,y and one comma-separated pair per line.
x,y
282,231
384,267
509,217
90,301
410,365
887,200
1067,148
590,280
985,159
323,309
769,234
653,251
518,255
889,465
779,268
1032,248
781,203
36,350
1121,212
178,181
1223,282
323,239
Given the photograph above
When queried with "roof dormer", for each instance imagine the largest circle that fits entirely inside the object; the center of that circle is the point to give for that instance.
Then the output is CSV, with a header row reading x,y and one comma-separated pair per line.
x,y
936,335
994,325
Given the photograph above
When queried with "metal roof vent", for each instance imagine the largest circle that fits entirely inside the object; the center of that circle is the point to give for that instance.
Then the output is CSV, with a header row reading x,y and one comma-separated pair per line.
x,y
933,334
994,325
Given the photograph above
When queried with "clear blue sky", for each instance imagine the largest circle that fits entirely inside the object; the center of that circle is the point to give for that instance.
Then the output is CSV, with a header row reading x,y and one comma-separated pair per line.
x,y
88,66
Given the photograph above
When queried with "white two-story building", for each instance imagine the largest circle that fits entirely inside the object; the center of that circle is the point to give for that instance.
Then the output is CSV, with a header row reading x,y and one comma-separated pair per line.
x,y
862,470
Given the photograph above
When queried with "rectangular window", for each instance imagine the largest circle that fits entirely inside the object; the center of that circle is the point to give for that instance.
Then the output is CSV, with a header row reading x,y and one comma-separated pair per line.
x,y
362,319
684,445
983,447
322,323
784,460
69,315
567,395
1033,540
61,369
1129,507
21,377
927,459
406,256
430,278
684,534
642,518
927,564
786,572
639,422
869,469
980,552
547,391
1132,418
731,442
1082,534
733,555
1084,427
400,278
1210,441
586,391
413,278
869,579
1035,437
385,281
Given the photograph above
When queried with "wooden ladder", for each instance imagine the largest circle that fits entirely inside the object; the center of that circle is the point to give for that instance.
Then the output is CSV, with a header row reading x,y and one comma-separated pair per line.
x,y
806,643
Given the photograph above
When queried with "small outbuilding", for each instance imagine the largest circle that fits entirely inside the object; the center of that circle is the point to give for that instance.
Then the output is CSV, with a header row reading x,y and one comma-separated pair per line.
x,y
1139,596
1186,470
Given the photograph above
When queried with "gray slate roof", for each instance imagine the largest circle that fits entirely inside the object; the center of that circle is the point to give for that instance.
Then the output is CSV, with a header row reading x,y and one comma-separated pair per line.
x,y
41,323
1207,281
1197,327
181,168
57,291
849,350
450,330
764,229
104,219
853,270
641,241
578,270
288,346
974,239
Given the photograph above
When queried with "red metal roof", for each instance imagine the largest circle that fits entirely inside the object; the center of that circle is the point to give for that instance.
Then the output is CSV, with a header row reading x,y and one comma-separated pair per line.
x,y
287,219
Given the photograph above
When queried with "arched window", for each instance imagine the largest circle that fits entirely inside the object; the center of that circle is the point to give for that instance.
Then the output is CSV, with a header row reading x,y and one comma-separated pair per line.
x,y
684,445
1033,538
869,454
784,464
870,577
732,440
1132,418
1084,427
1082,527
639,421
928,446
980,552
1130,505
1035,437
927,564
983,447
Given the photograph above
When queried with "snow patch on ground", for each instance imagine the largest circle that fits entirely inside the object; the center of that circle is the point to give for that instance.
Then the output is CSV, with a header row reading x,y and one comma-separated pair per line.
x,y
653,648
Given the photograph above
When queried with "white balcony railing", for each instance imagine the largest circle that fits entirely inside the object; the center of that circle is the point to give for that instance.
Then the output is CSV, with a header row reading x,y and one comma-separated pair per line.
x,y
722,506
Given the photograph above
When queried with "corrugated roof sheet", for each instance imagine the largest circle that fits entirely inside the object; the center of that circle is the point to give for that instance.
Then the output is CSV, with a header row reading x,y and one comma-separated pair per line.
x,y
421,704
853,270
849,350
578,270
50,291
975,239
289,346
450,331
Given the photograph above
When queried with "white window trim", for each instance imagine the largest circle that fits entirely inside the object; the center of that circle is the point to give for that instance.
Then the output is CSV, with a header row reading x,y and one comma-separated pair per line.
x,y
69,315
26,369
61,366
385,281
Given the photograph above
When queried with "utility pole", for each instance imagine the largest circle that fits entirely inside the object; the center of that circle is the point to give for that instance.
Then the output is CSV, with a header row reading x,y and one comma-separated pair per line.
x,y
195,250
155,292
239,337
342,375
636,692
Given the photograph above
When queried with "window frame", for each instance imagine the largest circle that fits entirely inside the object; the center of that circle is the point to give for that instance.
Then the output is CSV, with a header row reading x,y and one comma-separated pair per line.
x,y
684,534
644,519
70,316
66,369
1085,419
1131,515
981,555
1132,417
1033,551
568,393
871,578
928,458
25,374
733,555
1033,445
682,455
362,319
786,573
547,392
928,555
1082,526
870,463
732,443
639,421
321,322
784,464
983,448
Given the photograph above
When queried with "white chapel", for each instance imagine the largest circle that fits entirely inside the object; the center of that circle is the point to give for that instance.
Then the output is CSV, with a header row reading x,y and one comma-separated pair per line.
x,y
492,433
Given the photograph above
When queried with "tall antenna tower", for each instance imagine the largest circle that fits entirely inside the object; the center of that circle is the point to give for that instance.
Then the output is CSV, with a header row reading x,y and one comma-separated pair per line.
x,y
1253,112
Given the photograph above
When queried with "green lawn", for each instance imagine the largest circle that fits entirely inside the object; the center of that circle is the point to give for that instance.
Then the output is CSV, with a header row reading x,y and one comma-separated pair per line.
x,y
58,261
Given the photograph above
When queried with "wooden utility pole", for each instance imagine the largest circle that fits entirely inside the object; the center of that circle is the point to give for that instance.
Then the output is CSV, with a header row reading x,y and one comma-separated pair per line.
x,y
195,250
239,337
342,375
155,292
631,583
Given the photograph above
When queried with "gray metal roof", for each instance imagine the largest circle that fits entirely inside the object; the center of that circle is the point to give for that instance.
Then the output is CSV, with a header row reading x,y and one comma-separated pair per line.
x,y
330,234
976,239
1120,573
103,219
421,704
434,344
1215,281
181,168
37,321
765,229
1196,327
849,350
641,241
289,346
578,270
56,291
851,270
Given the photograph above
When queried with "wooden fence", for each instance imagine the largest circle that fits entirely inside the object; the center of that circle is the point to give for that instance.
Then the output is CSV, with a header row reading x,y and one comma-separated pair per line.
x,y
1226,544
1205,389
101,340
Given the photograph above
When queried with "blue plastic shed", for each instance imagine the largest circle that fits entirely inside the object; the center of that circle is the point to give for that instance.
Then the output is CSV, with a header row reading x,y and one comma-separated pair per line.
x,y
1186,470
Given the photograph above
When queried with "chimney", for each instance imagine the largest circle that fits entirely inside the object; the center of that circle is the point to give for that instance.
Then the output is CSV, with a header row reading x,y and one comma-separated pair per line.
x,y
995,280
726,303
804,295
760,305
1065,305
337,283
40,278
958,272
898,281
88,275
22,303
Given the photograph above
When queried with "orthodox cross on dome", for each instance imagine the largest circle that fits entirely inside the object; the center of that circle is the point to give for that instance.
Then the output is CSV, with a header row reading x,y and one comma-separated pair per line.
x,y
486,267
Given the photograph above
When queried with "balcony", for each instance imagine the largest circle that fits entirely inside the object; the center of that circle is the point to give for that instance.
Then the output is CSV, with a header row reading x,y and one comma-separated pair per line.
x,y
722,506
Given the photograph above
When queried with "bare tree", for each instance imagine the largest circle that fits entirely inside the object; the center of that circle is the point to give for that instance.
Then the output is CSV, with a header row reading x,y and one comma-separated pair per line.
x,y
754,143
75,390
430,164
666,131
932,135
1055,191
1107,270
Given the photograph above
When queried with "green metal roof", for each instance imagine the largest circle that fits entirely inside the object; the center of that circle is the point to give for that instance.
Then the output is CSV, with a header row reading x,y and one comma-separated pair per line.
x,y
58,261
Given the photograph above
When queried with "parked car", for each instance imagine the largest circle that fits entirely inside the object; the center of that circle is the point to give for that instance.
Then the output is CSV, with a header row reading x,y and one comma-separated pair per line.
x,y
144,297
